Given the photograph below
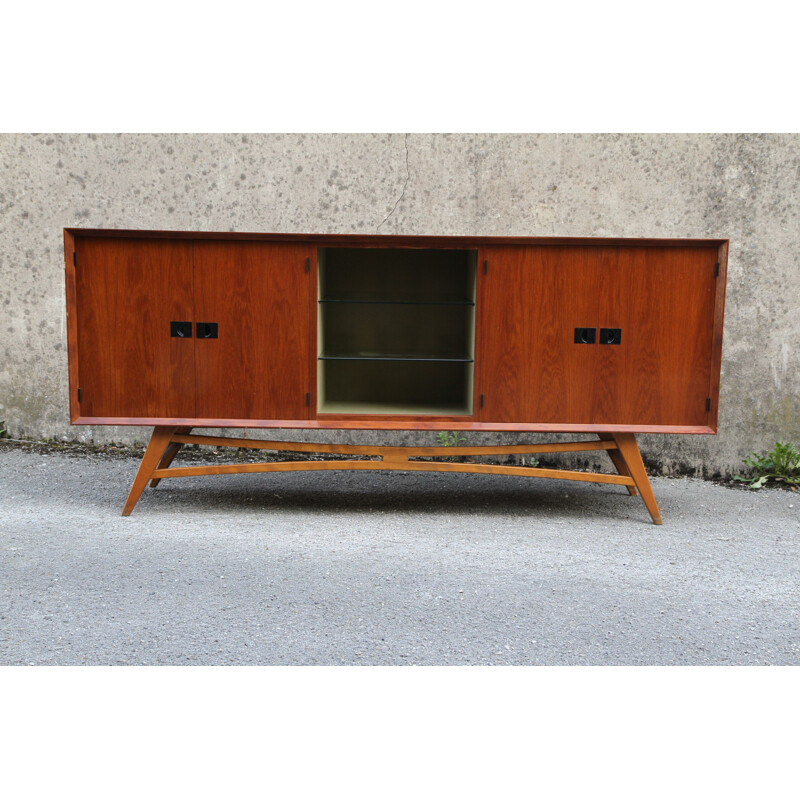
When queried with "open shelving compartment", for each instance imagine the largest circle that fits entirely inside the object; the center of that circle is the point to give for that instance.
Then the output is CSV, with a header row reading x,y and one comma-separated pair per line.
x,y
396,331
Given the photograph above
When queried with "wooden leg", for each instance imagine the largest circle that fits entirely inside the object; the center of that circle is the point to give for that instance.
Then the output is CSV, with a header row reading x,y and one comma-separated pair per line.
x,y
629,451
169,455
618,461
155,450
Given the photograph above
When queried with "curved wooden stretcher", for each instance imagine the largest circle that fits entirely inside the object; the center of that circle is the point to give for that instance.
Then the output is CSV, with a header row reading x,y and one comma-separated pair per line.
x,y
167,441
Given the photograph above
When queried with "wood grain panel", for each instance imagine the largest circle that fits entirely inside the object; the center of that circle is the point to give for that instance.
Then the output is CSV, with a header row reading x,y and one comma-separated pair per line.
x,y
530,300
663,301
258,294
127,291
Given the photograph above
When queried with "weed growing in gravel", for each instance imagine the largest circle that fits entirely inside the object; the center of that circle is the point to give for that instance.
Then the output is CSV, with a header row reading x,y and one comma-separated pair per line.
x,y
781,465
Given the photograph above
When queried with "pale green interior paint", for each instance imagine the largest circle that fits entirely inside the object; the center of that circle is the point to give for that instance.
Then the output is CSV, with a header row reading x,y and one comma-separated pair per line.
x,y
396,331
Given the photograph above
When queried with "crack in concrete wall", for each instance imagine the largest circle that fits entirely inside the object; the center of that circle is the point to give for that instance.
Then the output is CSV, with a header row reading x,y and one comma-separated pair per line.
x,y
405,186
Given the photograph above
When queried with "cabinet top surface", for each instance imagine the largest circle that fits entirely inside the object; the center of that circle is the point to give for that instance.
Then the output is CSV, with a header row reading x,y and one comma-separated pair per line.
x,y
386,240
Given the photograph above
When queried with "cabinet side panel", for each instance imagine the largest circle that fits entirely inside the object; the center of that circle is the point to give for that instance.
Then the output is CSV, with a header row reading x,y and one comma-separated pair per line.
x,y
662,301
716,346
531,299
257,293
127,294
72,324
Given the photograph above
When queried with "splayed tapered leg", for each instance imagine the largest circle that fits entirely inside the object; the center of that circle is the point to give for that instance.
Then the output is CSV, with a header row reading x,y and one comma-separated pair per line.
x,y
159,442
629,451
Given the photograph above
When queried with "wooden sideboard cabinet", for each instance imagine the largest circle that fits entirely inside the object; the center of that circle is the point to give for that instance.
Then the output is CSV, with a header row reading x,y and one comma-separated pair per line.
x,y
184,330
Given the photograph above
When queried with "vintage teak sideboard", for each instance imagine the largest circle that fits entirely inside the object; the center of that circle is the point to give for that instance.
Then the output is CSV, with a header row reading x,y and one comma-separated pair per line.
x,y
184,330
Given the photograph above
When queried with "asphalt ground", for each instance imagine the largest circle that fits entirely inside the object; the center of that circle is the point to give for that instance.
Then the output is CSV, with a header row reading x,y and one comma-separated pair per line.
x,y
370,568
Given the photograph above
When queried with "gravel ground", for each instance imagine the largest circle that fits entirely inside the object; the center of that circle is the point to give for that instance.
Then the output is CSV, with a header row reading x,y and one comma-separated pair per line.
x,y
388,568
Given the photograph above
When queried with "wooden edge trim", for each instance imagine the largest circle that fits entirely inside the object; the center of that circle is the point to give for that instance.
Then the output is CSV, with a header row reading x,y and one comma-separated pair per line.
x,y
313,338
71,294
404,466
417,424
479,335
387,240
352,449
716,337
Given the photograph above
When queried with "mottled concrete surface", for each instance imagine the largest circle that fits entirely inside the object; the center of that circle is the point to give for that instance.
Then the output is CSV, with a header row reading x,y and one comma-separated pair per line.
x,y
742,187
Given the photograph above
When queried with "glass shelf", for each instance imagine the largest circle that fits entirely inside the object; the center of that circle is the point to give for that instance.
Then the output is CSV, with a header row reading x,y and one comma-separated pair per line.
x,y
401,302
444,409
356,357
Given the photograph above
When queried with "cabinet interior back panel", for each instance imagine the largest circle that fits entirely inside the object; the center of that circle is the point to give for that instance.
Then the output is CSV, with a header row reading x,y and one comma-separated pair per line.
x,y
396,331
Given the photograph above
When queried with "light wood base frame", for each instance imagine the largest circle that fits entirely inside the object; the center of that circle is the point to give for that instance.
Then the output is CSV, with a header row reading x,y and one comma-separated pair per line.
x,y
167,441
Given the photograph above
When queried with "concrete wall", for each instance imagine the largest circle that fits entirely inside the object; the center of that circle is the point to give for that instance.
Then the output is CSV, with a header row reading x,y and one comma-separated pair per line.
x,y
744,187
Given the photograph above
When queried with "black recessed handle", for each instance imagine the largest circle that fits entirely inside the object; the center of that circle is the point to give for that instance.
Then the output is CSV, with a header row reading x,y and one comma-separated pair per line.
x,y
585,335
206,330
180,330
610,335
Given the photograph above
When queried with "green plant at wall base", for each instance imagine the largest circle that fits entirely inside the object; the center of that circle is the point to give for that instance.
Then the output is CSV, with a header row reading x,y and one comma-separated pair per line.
x,y
3,430
450,439
782,465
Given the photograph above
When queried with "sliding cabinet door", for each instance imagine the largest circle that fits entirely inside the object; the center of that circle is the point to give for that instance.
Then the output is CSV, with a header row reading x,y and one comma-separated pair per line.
x,y
254,351
131,360
661,300
531,299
